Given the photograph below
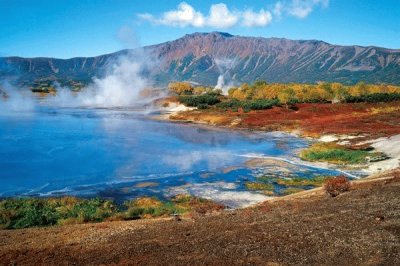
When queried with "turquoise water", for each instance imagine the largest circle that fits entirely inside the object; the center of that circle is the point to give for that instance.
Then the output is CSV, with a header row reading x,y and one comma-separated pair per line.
x,y
110,153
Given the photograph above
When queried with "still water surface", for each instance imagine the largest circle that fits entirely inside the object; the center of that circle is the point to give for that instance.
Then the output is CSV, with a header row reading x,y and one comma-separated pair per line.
x,y
123,154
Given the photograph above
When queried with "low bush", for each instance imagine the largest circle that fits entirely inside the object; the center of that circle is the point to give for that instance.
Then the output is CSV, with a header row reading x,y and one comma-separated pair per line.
x,y
234,103
373,98
259,104
337,185
199,100
247,105
202,106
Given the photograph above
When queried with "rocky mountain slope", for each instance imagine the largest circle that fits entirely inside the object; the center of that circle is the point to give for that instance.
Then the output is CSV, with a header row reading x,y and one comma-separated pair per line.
x,y
203,57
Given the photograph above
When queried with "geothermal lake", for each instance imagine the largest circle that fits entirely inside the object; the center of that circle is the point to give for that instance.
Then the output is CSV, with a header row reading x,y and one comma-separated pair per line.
x,y
122,154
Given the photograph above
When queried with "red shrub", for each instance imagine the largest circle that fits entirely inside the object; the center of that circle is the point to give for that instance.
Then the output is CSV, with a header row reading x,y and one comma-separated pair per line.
x,y
337,185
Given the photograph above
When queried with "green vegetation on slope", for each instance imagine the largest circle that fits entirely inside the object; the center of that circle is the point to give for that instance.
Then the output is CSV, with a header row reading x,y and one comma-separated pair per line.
x,y
29,212
21,213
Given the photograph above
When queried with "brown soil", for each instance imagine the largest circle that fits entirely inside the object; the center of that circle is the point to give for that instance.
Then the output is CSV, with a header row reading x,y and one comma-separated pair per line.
x,y
373,119
359,227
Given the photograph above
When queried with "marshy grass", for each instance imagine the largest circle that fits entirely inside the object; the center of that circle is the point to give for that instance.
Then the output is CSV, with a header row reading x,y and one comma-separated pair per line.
x,y
259,186
334,153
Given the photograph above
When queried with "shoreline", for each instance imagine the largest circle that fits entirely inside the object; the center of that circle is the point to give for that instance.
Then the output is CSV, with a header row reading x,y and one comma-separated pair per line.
x,y
381,144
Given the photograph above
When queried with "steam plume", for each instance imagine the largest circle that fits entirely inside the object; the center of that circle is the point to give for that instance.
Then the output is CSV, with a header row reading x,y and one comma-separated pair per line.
x,y
120,87
14,100
224,67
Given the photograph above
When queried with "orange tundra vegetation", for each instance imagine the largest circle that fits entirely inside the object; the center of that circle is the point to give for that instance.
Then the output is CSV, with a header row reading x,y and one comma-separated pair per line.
x,y
310,109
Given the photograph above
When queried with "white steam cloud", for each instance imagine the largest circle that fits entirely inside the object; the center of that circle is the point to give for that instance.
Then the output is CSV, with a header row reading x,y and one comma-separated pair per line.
x,y
124,84
13,100
224,82
220,16
120,87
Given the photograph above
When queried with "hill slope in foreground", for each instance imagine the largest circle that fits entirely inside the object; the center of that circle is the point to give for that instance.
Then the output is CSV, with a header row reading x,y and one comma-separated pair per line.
x,y
359,227
203,57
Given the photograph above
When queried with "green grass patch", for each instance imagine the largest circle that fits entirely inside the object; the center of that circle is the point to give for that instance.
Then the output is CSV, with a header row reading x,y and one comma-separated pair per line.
x,y
259,186
333,153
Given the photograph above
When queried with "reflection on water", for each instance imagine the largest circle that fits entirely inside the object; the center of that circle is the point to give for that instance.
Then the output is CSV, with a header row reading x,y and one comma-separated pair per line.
x,y
102,152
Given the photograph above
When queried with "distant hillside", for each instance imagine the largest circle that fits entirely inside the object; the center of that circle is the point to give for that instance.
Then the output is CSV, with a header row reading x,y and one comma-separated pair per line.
x,y
202,57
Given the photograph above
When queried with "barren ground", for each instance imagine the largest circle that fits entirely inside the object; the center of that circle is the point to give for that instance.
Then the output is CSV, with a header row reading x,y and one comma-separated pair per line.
x,y
359,227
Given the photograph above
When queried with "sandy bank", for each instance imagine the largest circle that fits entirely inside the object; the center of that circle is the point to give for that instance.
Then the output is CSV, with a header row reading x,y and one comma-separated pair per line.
x,y
391,147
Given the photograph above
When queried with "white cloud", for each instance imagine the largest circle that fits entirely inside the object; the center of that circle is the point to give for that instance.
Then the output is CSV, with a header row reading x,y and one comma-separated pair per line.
x,y
300,12
254,19
220,16
184,15
278,9
302,8
146,16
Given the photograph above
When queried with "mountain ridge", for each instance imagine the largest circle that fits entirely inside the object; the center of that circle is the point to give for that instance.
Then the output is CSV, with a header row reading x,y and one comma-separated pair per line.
x,y
204,57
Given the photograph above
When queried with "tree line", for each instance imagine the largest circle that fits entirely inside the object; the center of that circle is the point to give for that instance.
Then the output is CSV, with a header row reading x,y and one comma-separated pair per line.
x,y
261,93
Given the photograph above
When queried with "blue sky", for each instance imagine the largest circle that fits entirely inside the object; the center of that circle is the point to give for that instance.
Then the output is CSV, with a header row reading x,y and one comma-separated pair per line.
x,y
70,28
